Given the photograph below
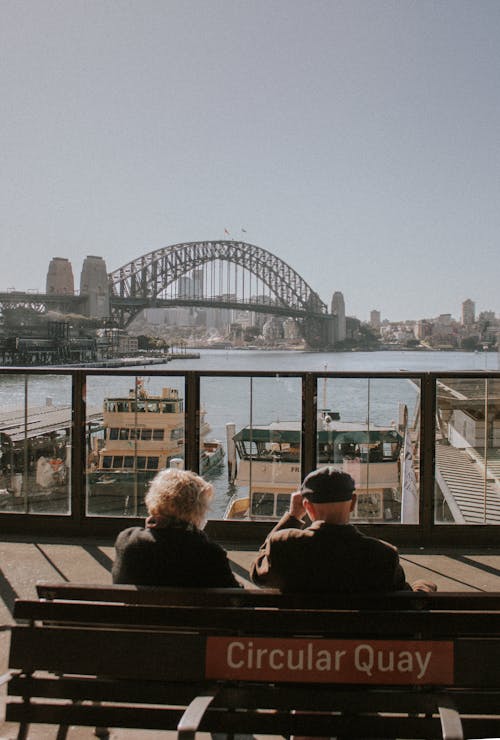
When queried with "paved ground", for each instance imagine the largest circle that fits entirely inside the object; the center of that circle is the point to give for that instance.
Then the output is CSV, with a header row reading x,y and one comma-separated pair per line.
x,y
23,563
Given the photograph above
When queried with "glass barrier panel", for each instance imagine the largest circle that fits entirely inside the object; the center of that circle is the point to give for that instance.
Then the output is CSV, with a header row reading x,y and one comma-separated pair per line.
x,y
369,428
467,477
134,428
256,427
35,443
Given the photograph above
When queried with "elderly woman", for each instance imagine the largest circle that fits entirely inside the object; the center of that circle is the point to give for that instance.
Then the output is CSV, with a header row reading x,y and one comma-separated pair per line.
x,y
172,549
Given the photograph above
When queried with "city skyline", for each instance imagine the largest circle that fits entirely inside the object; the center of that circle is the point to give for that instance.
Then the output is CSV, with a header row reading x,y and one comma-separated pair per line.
x,y
61,279
357,141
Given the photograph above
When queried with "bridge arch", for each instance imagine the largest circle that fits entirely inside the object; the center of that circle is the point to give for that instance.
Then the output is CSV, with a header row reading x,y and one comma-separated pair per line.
x,y
146,277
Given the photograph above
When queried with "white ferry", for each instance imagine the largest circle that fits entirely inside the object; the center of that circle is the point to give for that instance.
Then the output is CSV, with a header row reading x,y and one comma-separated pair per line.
x,y
143,434
265,460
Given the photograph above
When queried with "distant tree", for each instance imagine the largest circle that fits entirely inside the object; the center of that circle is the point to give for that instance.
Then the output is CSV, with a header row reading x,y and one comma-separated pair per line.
x,y
469,344
251,333
367,336
146,342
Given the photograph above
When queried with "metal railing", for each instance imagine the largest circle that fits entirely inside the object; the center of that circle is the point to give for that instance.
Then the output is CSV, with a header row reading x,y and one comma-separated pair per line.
x,y
435,391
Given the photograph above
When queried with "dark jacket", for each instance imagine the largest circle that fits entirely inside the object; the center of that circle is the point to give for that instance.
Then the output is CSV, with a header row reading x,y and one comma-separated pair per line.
x,y
176,554
326,558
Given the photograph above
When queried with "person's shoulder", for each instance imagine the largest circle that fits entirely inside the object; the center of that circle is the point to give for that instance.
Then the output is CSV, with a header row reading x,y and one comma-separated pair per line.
x,y
131,535
209,545
378,545
291,534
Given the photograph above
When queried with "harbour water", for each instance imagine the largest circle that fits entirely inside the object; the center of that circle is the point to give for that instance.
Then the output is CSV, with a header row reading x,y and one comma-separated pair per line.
x,y
242,401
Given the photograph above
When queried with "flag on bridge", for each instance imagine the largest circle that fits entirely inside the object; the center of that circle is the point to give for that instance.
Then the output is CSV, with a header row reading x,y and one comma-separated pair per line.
x,y
226,232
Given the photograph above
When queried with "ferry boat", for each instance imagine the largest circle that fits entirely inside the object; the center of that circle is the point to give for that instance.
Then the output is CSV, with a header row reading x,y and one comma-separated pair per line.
x,y
265,460
144,434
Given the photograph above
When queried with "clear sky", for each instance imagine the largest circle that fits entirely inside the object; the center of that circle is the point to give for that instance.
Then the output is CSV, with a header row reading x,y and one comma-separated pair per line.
x,y
358,140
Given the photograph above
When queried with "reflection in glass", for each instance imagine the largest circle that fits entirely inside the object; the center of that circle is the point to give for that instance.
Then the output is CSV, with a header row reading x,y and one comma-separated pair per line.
x,y
259,420
467,489
35,444
140,431
369,428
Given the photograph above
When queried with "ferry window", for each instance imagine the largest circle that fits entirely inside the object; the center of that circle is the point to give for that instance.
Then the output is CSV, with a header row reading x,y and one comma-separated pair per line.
x,y
263,504
123,433
128,461
282,503
134,434
158,433
177,433
390,451
168,408
153,406
118,461
110,406
113,433
141,463
145,433
122,406
106,461
152,463
141,406
245,449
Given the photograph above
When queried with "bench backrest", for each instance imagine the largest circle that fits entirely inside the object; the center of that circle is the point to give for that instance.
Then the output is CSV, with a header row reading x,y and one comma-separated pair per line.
x,y
216,634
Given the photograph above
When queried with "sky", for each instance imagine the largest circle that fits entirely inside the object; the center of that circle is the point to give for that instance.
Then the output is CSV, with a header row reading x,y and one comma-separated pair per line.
x,y
357,140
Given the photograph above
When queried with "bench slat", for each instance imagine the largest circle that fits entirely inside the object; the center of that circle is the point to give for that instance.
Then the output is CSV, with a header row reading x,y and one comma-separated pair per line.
x,y
472,600
235,619
280,697
214,720
227,721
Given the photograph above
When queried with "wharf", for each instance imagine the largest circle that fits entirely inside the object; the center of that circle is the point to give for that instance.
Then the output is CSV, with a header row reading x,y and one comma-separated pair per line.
x,y
24,561
118,362
36,421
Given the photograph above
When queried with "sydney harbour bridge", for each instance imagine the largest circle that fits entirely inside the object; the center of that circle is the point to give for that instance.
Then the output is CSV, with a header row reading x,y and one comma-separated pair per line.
x,y
213,274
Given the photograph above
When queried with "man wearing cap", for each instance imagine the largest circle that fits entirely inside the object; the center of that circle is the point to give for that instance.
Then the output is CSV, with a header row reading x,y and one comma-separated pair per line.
x,y
330,555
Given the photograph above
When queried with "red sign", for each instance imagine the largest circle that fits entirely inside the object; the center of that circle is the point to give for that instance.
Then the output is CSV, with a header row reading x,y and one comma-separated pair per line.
x,y
330,661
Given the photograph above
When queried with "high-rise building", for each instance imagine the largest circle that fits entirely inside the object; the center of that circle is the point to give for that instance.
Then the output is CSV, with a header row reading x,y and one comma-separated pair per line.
x,y
197,283
375,319
338,310
94,284
468,312
60,277
185,287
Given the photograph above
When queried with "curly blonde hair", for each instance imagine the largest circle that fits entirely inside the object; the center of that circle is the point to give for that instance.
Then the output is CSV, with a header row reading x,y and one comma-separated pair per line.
x,y
179,493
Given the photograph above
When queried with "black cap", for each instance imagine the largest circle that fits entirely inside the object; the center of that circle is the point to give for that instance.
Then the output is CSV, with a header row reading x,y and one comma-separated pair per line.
x,y
327,485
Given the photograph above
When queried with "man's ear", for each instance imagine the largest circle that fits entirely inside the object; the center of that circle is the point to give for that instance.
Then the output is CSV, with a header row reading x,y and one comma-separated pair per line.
x,y
353,502
309,507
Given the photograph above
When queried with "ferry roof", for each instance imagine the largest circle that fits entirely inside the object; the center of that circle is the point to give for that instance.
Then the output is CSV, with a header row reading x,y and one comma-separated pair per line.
x,y
289,431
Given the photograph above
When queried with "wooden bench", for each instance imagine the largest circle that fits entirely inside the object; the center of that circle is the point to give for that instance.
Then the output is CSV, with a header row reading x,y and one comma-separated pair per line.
x,y
405,665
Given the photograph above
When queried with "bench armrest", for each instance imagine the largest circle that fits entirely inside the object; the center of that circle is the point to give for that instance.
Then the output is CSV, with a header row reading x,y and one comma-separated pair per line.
x,y
190,720
451,724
